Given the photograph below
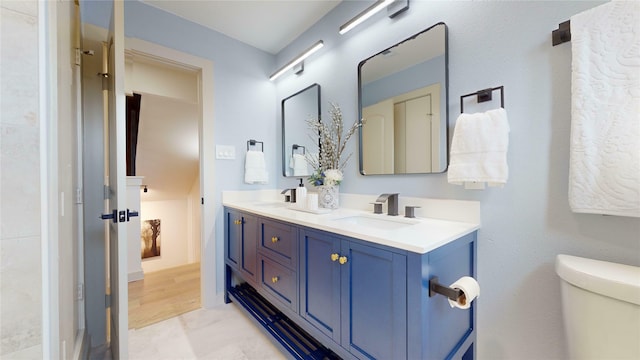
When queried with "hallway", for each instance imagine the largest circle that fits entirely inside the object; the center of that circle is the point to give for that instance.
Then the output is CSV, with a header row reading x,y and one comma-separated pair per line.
x,y
164,294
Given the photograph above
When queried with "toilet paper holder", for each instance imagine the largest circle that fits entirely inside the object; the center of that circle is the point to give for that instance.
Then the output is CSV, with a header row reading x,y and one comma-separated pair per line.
x,y
436,288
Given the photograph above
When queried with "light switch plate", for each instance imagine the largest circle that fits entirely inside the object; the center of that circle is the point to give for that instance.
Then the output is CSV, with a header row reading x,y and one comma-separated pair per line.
x,y
225,152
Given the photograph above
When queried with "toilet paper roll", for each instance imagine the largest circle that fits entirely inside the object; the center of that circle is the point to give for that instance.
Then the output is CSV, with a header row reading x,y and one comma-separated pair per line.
x,y
312,201
470,289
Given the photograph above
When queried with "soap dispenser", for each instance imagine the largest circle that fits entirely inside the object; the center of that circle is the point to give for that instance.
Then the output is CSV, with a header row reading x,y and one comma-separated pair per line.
x,y
301,193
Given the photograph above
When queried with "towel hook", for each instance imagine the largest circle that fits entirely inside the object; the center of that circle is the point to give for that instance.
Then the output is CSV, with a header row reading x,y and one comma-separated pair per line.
x,y
483,96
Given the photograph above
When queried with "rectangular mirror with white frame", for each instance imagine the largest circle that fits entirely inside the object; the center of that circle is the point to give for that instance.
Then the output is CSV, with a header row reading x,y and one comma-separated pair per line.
x,y
297,109
402,97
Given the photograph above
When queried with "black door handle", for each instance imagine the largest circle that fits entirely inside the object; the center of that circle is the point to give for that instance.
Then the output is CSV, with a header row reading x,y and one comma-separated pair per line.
x,y
113,216
131,214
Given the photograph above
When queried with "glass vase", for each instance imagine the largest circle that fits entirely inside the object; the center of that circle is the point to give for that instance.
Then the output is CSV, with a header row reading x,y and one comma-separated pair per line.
x,y
328,196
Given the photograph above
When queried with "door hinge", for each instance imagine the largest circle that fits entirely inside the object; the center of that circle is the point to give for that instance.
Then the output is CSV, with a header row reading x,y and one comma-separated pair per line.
x,y
78,196
106,192
107,301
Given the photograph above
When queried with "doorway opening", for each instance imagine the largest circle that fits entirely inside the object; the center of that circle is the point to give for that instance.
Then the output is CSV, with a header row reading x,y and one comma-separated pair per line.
x,y
168,164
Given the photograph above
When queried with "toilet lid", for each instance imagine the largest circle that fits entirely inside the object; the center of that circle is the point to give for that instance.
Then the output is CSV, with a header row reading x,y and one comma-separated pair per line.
x,y
618,281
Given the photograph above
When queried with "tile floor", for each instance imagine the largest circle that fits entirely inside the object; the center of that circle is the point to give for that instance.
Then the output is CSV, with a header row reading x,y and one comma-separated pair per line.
x,y
223,332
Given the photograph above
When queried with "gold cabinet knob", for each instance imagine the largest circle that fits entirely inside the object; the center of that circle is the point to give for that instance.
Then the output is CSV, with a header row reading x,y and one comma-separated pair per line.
x,y
237,222
275,279
334,257
274,239
342,260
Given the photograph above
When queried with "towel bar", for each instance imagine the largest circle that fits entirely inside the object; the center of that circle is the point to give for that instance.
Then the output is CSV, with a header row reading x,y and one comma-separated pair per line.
x,y
562,34
483,96
253,143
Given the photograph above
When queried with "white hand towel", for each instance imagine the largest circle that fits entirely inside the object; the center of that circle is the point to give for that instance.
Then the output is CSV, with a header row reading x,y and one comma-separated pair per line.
x,y
255,169
300,167
479,149
604,167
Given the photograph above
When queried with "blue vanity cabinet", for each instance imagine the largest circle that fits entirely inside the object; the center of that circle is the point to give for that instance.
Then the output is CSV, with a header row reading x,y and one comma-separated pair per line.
x,y
241,243
345,296
355,294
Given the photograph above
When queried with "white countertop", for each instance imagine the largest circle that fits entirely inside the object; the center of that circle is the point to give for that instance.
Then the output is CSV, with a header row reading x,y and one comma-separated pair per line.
x,y
419,235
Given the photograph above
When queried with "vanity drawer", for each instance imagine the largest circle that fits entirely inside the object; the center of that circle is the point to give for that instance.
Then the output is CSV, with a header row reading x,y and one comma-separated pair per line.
x,y
279,281
279,242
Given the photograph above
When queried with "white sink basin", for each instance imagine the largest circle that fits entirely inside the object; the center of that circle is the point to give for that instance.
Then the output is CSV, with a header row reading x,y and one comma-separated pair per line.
x,y
382,223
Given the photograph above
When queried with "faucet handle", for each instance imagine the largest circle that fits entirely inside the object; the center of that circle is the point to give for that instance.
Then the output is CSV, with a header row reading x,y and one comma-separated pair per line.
x,y
377,207
409,211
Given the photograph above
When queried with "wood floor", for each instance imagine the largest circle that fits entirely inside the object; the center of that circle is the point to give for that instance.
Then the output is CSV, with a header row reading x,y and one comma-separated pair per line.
x,y
164,294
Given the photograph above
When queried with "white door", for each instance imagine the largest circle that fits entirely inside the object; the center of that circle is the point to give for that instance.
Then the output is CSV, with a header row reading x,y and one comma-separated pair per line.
x,y
115,179
377,138
418,135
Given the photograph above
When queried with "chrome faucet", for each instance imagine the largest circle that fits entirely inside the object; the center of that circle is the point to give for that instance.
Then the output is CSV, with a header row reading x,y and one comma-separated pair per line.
x,y
392,204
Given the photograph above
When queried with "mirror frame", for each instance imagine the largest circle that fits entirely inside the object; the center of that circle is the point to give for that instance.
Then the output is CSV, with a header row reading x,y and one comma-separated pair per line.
x,y
446,94
284,145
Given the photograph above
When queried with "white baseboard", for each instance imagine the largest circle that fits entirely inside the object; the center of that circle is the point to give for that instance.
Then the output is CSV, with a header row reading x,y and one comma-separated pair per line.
x,y
136,275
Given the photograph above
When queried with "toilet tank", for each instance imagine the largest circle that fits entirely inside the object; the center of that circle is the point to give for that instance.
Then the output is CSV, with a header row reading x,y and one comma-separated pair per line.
x,y
601,308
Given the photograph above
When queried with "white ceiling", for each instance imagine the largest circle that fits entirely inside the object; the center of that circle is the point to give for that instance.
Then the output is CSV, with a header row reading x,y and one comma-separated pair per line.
x,y
269,25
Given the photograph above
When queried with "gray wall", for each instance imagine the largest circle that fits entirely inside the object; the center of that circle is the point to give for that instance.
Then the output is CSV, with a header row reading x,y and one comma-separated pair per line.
x,y
528,222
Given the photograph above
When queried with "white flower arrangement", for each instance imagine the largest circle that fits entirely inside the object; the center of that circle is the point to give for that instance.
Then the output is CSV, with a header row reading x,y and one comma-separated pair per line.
x,y
327,164
332,177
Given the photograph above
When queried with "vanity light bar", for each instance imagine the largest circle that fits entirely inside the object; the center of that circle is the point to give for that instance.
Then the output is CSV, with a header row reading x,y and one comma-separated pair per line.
x,y
305,54
367,13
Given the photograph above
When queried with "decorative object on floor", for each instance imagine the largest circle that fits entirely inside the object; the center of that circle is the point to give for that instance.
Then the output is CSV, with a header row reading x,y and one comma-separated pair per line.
x,y
150,236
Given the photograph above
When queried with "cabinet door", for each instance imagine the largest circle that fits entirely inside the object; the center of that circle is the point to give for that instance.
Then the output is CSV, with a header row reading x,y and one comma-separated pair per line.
x,y
233,238
249,247
320,282
374,309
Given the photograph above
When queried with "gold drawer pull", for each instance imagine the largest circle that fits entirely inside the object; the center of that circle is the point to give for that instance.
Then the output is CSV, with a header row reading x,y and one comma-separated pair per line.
x,y
275,279
237,222
274,239
334,257
342,260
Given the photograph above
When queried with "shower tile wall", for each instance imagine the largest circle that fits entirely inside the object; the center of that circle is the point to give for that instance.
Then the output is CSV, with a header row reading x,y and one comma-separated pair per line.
x,y
20,262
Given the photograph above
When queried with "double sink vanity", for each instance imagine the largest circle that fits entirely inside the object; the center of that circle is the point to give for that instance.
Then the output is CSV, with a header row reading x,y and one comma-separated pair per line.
x,y
358,282
350,283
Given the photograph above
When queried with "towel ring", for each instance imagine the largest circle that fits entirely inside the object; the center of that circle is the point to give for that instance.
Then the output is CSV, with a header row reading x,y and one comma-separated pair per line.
x,y
253,143
295,147
483,96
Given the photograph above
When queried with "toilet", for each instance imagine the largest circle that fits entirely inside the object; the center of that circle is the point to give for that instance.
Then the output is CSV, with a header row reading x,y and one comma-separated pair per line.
x,y
601,308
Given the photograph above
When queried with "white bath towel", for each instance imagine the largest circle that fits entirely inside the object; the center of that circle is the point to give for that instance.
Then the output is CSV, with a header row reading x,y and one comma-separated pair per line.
x,y
299,165
604,169
479,149
255,168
